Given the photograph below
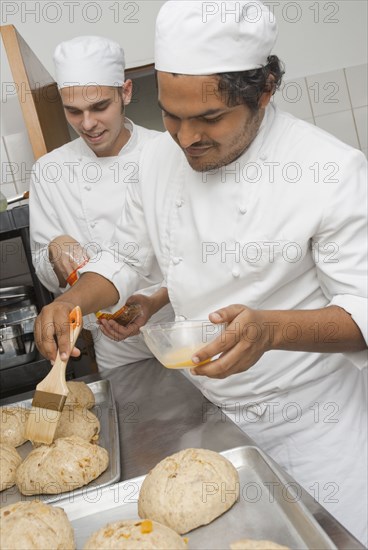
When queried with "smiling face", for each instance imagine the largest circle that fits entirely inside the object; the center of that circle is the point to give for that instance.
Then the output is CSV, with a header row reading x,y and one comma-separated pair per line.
x,y
210,133
97,114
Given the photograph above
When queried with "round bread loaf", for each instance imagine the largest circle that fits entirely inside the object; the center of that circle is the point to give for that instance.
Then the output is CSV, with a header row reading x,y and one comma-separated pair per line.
x,y
189,489
76,421
35,526
9,462
250,544
135,535
80,394
67,464
80,422
13,422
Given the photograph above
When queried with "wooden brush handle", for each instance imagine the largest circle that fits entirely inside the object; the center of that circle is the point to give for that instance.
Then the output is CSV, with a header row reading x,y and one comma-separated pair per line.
x,y
55,381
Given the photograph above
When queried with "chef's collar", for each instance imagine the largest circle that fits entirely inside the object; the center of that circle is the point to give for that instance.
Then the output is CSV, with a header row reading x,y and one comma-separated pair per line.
x,y
256,153
205,38
257,150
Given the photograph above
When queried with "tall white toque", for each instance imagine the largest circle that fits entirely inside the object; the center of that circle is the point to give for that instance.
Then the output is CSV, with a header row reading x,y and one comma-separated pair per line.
x,y
202,38
89,60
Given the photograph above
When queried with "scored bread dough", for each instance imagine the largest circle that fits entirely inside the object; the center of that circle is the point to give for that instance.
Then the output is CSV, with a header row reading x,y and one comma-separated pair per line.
x,y
135,535
80,394
79,422
65,465
9,462
35,526
189,489
13,421
76,421
251,544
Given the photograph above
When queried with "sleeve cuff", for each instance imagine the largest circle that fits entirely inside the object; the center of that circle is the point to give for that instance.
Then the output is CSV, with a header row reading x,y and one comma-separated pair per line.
x,y
120,275
357,307
48,277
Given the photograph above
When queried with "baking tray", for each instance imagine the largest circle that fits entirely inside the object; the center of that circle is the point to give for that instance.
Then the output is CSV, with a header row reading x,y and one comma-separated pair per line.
x,y
268,508
105,410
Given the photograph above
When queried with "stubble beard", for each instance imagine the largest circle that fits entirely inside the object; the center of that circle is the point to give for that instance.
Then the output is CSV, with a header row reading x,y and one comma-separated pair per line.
x,y
240,143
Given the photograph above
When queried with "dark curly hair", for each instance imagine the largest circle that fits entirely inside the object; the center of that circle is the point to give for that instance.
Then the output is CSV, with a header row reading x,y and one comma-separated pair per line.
x,y
248,86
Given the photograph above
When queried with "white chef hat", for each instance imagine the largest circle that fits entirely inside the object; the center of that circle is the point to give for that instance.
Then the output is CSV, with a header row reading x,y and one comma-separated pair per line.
x,y
88,60
202,38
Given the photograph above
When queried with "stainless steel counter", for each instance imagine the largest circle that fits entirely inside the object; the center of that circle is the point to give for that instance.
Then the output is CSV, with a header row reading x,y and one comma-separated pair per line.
x,y
160,412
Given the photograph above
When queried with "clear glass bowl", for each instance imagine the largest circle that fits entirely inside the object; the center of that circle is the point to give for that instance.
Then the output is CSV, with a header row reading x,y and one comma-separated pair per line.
x,y
174,344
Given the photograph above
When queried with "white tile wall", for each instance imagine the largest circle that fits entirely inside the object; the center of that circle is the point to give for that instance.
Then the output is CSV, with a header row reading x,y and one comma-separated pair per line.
x,y
328,93
340,125
6,172
357,79
335,101
3,153
11,118
8,189
361,121
20,154
293,97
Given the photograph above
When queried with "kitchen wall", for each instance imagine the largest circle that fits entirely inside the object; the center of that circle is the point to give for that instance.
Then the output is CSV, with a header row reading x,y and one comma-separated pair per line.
x,y
322,43
335,101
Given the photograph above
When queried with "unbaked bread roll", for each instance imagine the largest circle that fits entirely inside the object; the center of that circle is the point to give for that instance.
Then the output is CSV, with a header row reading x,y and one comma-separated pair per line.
x,y
76,421
189,489
35,526
13,422
135,535
67,464
80,422
9,462
250,544
80,394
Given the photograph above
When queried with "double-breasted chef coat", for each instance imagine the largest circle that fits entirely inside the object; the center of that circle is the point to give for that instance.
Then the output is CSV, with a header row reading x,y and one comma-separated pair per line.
x,y
282,227
74,192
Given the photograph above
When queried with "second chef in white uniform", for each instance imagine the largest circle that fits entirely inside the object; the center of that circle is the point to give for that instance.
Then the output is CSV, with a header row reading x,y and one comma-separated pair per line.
x,y
78,190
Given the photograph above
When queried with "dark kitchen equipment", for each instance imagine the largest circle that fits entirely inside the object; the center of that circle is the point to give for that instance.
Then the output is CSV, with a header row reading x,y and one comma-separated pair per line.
x,y
11,345
17,316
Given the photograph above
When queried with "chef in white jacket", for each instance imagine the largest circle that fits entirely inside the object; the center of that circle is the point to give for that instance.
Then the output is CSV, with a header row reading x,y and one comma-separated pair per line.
x,y
257,219
78,190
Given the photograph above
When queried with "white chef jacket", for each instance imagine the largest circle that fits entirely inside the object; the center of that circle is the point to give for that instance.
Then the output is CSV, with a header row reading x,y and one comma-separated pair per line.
x,y
74,192
282,227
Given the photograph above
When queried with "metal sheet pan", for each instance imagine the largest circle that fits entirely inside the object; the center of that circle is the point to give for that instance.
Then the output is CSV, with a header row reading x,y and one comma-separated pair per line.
x,y
269,508
105,410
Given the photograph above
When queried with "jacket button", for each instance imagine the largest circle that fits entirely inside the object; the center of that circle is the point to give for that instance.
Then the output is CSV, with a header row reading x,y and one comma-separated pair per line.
x,y
243,209
179,203
87,187
176,260
235,272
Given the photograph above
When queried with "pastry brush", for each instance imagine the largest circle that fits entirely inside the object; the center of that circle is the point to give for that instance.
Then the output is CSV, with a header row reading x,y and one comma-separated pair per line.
x,y
51,392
